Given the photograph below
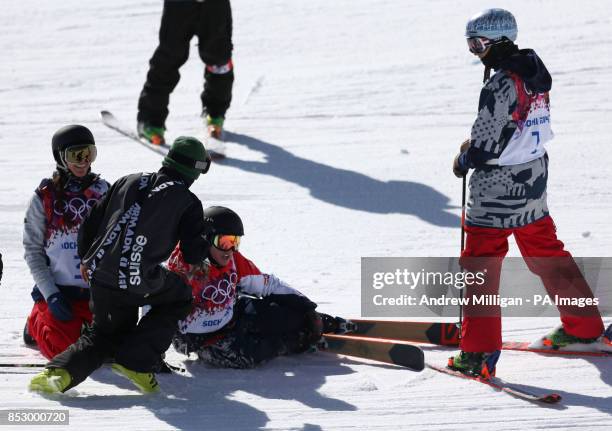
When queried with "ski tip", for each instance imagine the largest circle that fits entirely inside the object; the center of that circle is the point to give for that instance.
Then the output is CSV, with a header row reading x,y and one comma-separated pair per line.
x,y
408,356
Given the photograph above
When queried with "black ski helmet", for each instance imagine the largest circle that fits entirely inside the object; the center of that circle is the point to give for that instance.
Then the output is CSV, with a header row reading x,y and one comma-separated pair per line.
x,y
69,136
223,221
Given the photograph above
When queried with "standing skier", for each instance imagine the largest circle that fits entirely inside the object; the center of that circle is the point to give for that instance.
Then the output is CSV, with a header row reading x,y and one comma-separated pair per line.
x,y
211,21
52,221
240,317
122,243
508,192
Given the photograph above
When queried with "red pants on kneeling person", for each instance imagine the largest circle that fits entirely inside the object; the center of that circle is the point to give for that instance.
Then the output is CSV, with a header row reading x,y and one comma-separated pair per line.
x,y
53,336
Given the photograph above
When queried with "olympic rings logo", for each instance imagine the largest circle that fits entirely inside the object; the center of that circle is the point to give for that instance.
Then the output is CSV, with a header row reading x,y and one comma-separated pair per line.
x,y
222,292
76,208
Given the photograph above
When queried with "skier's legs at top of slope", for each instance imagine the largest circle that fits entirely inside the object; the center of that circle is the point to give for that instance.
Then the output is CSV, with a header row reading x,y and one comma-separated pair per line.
x,y
215,49
176,30
211,21
508,185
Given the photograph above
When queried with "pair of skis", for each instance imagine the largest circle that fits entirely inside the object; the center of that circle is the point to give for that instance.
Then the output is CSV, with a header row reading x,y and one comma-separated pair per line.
x,y
384,340
378,340
443,334
213,147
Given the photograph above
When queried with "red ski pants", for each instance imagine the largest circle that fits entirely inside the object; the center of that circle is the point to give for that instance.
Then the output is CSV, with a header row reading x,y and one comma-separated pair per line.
x,y
54,336
483,333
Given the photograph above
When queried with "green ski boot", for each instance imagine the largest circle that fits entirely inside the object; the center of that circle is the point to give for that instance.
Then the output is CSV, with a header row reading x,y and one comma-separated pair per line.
x,y
50,381
146,382
153,134
558,339
214,126
479,364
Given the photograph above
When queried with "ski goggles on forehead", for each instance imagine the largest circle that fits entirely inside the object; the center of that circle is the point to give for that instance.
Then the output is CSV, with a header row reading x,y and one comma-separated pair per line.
x,y
226,242
81,154
478,45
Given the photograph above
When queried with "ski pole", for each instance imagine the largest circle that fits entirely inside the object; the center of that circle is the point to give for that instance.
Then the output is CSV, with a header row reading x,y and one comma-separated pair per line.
x,y
17,365
462,247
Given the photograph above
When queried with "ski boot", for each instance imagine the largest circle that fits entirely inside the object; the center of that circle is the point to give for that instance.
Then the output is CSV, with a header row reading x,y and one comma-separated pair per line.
x,y
146,382
607,336
50,381
152,134
559,339
27,338
214,127
337,325
477,364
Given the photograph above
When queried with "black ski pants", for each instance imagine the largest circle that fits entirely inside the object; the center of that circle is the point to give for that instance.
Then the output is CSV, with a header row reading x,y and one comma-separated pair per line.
x,y
262,329
211,22
117,335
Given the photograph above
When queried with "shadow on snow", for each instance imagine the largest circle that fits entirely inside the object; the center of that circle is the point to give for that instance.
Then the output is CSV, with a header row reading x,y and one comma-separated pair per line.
x,y
345,188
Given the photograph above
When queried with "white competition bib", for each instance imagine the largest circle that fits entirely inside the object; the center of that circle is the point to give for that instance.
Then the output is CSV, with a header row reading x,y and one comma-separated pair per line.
x,y
64,259
532,132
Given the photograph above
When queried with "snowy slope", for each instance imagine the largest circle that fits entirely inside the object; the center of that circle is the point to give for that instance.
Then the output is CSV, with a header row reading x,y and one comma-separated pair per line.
x,y
346,116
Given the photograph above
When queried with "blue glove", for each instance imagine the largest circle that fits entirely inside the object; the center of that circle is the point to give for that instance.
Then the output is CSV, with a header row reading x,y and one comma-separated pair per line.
x,y
60,308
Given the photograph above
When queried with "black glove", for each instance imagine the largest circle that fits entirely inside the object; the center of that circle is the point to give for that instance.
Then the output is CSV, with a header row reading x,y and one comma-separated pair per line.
x,y
458,170
59,307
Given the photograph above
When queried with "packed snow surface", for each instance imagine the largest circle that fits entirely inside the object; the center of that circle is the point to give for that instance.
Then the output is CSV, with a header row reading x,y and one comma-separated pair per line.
x,y
345,119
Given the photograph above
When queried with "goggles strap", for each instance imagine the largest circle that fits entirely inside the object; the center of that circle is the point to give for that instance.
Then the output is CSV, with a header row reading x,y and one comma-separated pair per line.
x,y
487,74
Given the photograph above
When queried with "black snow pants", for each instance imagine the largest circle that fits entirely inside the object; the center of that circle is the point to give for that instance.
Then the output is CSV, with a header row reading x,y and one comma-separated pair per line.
x,y
262,329
211,22
117,335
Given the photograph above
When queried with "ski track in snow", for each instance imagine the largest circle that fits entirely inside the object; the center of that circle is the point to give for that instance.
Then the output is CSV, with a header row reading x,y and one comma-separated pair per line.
x,y
344,152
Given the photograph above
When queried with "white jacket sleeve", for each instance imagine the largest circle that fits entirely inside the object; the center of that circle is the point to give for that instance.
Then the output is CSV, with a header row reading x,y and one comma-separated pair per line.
x,y
264,285
34,246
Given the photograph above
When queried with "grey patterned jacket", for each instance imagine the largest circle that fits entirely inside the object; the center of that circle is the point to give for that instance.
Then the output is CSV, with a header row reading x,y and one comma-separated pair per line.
x,y
508,186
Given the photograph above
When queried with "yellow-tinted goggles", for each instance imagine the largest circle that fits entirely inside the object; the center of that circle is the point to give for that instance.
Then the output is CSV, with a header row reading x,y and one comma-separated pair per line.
x,y
226,242
80,155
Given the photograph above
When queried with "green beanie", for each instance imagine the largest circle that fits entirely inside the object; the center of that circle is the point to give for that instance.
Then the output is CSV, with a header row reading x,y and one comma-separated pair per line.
x,y
188,156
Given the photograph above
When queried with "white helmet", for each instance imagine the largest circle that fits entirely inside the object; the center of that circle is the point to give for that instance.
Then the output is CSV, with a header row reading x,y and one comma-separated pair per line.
x,y
492,24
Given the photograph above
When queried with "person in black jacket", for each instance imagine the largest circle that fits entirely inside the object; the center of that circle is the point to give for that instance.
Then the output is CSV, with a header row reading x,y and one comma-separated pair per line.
x,y
211,21
122,243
